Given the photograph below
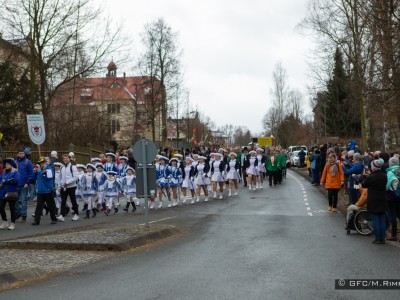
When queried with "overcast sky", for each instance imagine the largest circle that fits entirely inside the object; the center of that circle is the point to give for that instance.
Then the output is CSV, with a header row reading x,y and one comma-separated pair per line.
x,y
230,50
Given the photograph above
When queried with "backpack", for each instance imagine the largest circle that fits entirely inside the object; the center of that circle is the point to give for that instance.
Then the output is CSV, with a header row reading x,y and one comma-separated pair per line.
x,y
397,190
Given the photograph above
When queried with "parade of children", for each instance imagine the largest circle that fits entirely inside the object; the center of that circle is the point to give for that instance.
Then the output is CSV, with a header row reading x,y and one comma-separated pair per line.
x,y
107,184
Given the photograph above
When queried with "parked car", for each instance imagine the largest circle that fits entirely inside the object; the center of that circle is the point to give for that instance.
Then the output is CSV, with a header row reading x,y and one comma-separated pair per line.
x,y
294,158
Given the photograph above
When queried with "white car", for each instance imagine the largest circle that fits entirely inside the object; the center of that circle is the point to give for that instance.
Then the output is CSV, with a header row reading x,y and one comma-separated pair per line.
x,y
294,158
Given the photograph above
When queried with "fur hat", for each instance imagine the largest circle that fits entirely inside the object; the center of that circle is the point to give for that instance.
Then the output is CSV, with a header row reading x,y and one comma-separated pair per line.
x,y
80,166
110,154
57,164
99,166
173,159
112,173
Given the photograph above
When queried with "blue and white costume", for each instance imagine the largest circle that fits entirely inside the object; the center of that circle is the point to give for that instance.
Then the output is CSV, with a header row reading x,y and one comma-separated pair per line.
x,y
111,190
162,174
90,187
175,175
101,178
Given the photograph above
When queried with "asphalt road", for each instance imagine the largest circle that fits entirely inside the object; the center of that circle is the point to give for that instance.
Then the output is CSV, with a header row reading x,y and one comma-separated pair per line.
x,y
276,243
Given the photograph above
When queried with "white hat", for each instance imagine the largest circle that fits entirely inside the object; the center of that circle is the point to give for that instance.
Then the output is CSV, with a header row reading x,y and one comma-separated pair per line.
x,y
196,156
232,153
218,154
90,166
252,152
110,154
173,159
189,158
130,168
163,158
80,166
203,157
260,149
221,149
112,173
53,153
123,158
212,154
57,164
71,154
100,165
178,155
95,159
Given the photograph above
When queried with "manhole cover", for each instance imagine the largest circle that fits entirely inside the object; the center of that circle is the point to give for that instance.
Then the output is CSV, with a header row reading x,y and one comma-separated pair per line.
x,y
259,198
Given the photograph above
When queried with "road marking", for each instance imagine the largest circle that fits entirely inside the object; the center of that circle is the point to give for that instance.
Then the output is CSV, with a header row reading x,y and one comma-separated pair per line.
x,y
152,222
304,194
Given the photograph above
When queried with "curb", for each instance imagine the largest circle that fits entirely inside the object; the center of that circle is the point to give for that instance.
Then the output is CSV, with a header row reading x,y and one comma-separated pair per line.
x,y
21,275
122,245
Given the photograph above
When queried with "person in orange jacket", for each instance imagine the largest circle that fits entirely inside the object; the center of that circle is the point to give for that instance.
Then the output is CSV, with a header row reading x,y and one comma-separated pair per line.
x,y
361,203
333,178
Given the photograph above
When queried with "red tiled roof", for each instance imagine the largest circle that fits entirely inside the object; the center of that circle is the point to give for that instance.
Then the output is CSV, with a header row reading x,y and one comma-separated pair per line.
x,y
100,89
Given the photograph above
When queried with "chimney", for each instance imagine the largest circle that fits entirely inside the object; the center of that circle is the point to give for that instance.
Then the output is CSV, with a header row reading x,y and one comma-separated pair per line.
x,y
124,74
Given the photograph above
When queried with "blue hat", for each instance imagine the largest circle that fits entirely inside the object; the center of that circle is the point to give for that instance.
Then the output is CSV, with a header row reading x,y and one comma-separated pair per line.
x,y
12,162
123,158
110,154
112,173
100,165
94,159
174,159
163,158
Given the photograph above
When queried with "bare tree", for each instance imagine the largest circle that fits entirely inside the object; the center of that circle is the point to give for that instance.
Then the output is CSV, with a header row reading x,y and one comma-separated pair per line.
x,y
280,91
161,61
59,37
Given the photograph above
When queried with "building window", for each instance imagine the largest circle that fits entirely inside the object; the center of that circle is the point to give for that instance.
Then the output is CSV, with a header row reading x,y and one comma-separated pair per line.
x,y
114,108
115,126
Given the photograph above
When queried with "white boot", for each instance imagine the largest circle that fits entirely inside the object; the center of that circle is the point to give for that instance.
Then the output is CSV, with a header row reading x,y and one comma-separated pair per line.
x,y
215,194
230,192
12,226
236,192
169,204
160,205
257,186
175,202
254,188
151,205
198,199
261,185
221,195
249,187
184,199
206,199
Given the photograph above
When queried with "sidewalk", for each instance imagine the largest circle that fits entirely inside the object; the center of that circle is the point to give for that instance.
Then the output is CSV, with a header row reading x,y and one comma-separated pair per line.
x,y
30,253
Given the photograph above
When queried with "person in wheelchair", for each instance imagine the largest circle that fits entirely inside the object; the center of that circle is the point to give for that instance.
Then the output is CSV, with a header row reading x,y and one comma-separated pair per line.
x,y
362,201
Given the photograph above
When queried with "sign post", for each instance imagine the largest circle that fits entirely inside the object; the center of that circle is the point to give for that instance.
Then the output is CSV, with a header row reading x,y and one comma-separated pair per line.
x,y
36,129
144,152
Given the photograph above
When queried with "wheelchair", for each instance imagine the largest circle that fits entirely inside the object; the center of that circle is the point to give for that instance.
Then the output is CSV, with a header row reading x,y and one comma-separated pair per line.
x,y
361,222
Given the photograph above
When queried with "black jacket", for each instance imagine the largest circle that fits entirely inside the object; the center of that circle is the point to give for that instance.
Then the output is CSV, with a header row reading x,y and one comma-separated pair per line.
x,y
376,185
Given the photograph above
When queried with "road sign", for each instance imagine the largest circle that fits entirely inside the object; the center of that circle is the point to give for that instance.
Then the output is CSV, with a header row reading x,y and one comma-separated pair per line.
x,y
151,151
36,129
144,152
1,136
265,141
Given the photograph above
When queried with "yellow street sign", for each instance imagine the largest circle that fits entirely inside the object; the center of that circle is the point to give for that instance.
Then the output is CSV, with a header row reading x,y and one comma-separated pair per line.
x,y
265,141
1,136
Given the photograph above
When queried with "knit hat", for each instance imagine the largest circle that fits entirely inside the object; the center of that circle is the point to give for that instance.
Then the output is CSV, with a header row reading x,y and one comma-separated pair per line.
x,y
394,161
377,164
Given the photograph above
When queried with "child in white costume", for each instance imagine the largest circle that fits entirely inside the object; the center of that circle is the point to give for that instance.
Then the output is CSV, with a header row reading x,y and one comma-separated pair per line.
x,y
111,190
78,193
187,178
233,173
128,184
218,175
101,177
90,187
252,170
201,178
57,185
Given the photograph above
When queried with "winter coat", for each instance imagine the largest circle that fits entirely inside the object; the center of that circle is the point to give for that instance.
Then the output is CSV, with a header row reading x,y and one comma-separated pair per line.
x,y
376,185
355,169
25,170
362,201
44,180
332,182
272,167
316,162
10,181
392,183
